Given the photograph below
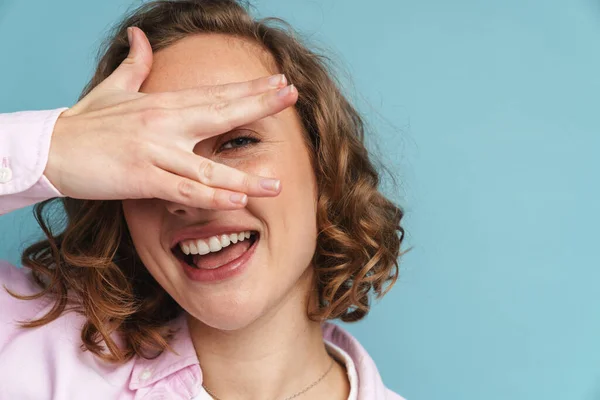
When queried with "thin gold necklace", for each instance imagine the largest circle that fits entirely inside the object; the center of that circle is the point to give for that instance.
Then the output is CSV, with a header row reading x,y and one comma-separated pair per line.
x,y
306,389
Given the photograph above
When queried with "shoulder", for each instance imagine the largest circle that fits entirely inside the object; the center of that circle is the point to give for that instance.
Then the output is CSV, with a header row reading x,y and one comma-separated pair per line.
x,y
20,282
15,277
51,352
370,384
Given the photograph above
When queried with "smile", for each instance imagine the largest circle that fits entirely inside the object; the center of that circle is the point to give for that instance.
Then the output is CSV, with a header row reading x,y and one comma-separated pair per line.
x,y
218,257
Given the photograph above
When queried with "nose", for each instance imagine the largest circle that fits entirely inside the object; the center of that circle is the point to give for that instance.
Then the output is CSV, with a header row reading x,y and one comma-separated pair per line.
x,y
181,210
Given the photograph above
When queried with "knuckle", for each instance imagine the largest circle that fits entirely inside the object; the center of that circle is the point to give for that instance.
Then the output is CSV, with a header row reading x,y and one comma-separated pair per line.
x,y
219,107
206,169
216,92
154,117
184,188
214,198
219,114
129,61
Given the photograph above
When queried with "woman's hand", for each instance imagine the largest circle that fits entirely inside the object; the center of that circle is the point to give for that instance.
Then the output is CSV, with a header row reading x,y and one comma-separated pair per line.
x,y
118,143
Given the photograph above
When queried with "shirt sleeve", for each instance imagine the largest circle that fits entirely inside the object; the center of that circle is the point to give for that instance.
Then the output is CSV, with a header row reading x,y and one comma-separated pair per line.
x,y
24,147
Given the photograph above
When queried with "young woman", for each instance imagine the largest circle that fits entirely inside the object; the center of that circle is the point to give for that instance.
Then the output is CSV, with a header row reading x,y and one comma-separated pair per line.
x,y
220,205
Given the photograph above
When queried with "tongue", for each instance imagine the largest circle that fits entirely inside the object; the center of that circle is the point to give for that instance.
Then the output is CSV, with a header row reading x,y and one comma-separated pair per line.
x,y
215,260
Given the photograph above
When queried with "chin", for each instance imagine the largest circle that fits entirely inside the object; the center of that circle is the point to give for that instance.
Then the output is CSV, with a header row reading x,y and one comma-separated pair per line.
x,y
237,311
239,301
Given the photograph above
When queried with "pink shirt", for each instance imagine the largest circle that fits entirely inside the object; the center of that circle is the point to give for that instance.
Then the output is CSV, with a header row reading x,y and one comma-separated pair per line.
x,y
47,362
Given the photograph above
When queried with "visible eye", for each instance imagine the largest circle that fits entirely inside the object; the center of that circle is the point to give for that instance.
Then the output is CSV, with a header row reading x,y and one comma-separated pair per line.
x,y
238,143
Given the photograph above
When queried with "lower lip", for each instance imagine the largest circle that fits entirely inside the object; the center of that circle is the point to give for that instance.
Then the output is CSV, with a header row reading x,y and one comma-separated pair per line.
x,y
225,271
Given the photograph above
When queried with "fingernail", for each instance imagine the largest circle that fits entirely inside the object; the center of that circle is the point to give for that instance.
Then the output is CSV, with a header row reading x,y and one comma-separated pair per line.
x,y
270,184
286,90
238,198
277,80
130,35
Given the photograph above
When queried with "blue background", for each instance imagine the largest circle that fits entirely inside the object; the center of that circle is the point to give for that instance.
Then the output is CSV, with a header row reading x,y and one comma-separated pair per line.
x,y
489,114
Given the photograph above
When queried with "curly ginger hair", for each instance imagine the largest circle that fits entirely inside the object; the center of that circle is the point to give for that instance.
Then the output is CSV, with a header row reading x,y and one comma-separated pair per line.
x,y
93,264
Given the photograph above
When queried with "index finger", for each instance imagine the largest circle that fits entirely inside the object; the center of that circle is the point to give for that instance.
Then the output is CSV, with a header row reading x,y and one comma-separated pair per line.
x,y
203,95
214,119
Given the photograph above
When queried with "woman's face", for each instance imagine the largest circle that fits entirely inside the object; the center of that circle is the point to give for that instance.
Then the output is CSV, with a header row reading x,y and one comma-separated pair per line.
x,y
278,270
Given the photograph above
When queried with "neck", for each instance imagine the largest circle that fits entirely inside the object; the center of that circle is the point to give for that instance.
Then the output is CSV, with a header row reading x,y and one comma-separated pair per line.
x,y
273,358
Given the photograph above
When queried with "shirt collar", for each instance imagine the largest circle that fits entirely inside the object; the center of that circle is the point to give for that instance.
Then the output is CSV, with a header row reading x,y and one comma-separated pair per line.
x,y
370,384
147,372
344,358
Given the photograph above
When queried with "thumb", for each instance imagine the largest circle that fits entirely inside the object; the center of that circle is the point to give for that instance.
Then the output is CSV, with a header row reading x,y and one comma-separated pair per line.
x,y
135,68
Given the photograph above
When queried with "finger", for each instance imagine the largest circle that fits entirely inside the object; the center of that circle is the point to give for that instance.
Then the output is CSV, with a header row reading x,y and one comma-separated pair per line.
x,y
132,72
217,175
185,191
209,120
203,95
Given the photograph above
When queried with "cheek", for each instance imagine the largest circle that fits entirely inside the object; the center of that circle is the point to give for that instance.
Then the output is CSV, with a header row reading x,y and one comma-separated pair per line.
x,y
293,168
299,222
142,222
290,217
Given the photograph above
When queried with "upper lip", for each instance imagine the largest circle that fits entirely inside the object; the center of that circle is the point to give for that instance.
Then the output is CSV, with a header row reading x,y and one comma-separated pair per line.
x,y
206,231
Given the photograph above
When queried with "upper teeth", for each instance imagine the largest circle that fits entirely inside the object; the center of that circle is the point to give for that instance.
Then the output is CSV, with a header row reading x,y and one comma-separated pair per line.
x,y
211,244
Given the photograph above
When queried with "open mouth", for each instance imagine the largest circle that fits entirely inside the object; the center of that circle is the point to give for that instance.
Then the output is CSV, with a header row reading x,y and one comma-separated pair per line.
x,y
217,253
